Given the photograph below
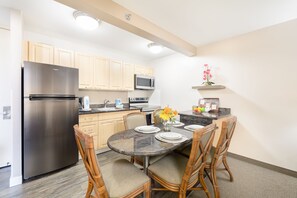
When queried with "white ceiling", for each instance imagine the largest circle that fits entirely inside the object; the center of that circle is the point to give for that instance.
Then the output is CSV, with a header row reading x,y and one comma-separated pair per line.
x,y
52,18
197,21
205,21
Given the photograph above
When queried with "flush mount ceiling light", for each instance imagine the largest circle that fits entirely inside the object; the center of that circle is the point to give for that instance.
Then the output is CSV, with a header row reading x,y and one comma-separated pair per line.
x,y
155,48
85,21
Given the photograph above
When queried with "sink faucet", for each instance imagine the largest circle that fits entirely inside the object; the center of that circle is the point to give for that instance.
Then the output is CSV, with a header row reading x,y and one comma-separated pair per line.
x,y
105,102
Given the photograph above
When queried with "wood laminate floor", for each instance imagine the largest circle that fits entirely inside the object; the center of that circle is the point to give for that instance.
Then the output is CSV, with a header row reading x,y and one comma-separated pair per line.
x,y
251,181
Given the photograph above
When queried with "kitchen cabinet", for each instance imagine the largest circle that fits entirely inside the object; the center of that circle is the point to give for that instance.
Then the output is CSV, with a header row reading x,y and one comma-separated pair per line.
x,y
102,125
41,53
128,76
148,71
101,73
25,51
63,57
84,63
90,125
106,129
116,75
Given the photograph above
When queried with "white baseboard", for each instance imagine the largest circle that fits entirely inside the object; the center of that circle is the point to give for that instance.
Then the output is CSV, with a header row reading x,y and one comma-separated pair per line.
x,y
15,181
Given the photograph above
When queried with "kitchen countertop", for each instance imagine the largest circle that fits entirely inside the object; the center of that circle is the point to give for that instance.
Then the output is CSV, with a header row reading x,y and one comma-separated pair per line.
x,y
95,110
223,112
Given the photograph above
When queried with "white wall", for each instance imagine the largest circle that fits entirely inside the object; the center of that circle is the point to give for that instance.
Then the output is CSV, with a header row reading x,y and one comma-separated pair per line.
x,y
259,71
5,100
16,32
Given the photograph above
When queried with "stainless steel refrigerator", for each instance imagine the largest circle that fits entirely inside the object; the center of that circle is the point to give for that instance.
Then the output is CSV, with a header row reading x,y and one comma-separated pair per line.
x,y
50,109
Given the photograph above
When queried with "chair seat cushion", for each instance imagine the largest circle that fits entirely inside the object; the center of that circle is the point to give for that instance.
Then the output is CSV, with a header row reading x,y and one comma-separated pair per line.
x,y
170,168
121,177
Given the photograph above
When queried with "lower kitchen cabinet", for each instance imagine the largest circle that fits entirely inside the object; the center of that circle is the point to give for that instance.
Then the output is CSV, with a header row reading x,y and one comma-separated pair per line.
x,y
106,129
102,125
92,129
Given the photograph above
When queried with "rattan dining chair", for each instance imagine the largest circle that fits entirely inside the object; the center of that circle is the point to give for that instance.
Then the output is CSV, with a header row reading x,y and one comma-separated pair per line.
x,y
156,116
218,155
179,173
131,121
116,179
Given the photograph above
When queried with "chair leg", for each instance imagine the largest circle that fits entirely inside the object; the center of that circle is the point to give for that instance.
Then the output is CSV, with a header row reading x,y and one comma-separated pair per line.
x,y
227,168
203,184
215,182
90,189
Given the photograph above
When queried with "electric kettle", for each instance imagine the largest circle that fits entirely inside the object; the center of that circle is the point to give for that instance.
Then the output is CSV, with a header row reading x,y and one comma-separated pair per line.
x,y
86,103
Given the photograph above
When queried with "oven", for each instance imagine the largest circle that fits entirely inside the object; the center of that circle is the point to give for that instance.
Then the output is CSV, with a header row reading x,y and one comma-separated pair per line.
x,y
142,104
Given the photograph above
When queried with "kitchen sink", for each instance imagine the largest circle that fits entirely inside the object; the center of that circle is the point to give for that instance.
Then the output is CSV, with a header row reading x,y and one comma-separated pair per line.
x,y
104,109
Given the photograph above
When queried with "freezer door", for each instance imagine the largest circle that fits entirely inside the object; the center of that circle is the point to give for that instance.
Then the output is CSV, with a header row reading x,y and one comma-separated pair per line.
x,y
48,136
49,79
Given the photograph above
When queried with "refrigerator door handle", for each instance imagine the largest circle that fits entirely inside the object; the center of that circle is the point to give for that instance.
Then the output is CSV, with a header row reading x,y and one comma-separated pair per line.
x,y
51,97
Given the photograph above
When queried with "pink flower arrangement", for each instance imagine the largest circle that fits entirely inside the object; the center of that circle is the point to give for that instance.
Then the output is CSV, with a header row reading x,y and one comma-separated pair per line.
x,y
207,75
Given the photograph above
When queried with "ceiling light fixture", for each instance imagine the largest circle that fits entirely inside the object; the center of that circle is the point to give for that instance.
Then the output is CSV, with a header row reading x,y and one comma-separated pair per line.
x,y
85,21
155,48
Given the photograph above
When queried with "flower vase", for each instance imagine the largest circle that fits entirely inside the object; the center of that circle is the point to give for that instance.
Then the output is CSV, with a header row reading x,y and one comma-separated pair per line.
x,y
167,126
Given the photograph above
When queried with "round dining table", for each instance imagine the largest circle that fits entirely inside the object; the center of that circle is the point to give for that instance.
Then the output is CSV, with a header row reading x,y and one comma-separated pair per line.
x,y
133,143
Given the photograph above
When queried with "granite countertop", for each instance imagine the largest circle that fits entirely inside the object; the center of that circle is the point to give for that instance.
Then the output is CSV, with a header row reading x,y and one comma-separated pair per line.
x,y
223,112
111,108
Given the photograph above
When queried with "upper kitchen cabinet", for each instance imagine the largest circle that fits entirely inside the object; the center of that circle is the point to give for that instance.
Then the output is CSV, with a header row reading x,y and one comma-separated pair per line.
x,y
25,51
128,76
63,57
84,63
41,53
116,75
101,73
148,71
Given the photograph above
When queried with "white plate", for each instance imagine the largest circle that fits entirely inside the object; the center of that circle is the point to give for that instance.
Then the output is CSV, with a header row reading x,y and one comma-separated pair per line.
x,y
170,136
177,124
193,127
147,129
158,137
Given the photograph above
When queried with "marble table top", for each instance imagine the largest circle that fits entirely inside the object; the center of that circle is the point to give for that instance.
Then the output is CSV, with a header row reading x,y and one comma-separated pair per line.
x,y
133,143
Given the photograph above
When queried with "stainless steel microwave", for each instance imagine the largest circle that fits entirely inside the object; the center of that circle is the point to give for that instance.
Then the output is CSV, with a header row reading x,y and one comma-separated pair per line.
x,y
144,82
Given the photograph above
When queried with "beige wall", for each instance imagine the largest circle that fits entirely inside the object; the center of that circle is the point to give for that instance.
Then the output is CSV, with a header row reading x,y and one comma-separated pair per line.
x,y
259,70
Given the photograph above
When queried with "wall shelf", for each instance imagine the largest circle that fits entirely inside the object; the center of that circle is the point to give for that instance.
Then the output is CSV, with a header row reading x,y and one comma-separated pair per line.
x,y
208,87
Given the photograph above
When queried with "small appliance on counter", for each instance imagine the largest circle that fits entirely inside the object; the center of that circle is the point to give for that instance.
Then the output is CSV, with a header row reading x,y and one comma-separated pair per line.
x,y
119,104
86,103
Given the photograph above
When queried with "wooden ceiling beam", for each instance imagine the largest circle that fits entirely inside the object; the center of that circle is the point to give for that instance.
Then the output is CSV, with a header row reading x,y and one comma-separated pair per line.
x,y
117,15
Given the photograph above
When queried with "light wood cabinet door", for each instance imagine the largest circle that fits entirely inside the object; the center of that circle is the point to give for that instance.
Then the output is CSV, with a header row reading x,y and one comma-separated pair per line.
x,y
116,75
92,129
143,70
64,57
41,53
128,76
84,63
119,125
25,51
101,73
106,129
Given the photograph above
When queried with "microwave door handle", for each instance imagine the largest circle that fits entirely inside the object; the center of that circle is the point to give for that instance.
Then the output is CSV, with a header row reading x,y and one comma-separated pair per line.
x,y
152,82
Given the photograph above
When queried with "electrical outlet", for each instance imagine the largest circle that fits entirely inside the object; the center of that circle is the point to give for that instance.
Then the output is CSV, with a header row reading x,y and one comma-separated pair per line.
x,y
6,112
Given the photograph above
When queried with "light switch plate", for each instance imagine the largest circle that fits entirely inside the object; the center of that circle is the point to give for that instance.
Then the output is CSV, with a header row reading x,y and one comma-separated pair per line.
x,y
6,112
